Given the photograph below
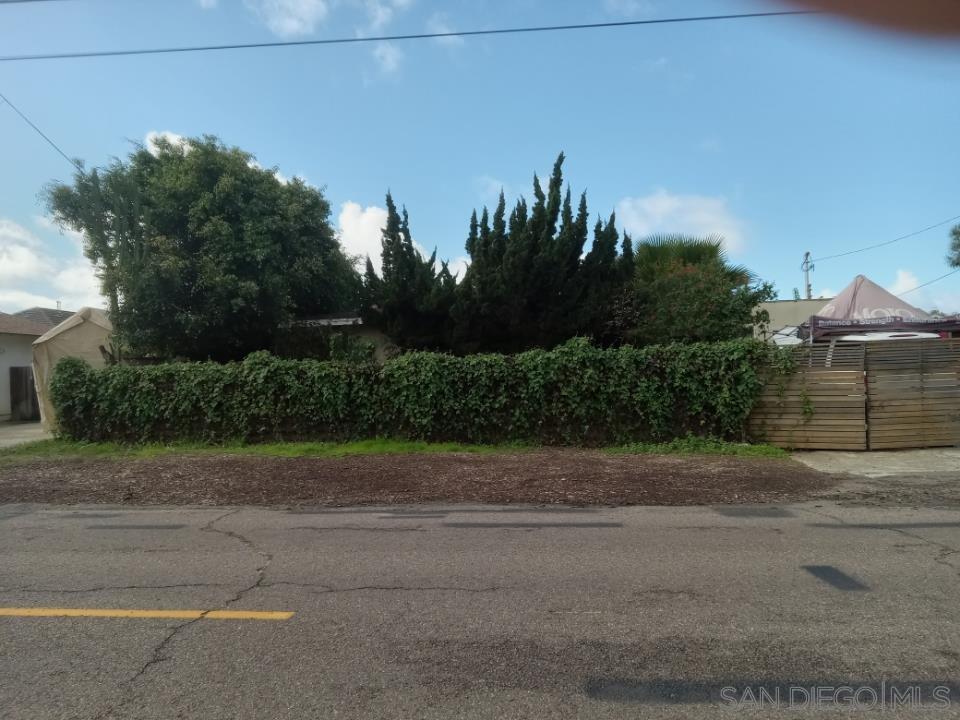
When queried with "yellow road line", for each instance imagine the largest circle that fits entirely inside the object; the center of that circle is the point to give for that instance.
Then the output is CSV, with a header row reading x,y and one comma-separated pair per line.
x,y
171,614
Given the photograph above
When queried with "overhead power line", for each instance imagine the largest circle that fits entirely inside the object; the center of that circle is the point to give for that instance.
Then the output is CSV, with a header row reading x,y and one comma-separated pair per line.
x,y
412,36
888,242
40,132
931,282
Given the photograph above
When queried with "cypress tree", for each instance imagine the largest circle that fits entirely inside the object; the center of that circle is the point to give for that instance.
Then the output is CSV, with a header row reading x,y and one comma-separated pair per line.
x,y
411,302
529,283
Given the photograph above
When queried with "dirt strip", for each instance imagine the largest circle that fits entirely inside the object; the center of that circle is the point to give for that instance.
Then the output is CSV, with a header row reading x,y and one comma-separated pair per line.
x,y
547,476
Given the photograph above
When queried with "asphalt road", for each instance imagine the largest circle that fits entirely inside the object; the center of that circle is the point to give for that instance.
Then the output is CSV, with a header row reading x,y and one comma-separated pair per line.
x,y
480,612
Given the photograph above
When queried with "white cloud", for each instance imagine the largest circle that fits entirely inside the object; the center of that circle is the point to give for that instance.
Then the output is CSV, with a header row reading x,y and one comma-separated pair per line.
x,y
286,180
906,280
438,23
380,13
11,232
76,238
489,188
32,272
946,300
458,267
360,231
827,293
629,8
943,296
151,138
19,256
388,56
665,212
207,4
20,263
15,300
289,18
78,285
292,18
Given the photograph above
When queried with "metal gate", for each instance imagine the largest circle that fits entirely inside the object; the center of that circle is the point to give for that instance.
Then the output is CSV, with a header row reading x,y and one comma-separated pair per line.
x,y
23,395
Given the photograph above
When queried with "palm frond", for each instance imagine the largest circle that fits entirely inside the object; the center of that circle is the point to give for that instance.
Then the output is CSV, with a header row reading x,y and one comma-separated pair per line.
x,y
655,252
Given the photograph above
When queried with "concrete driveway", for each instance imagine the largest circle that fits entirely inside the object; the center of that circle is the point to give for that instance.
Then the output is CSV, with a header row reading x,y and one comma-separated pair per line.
x,y
884,463
16,433
477,612
891,478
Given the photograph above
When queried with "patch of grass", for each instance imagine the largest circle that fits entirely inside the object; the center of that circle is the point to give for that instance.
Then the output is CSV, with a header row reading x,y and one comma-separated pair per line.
x,y
66,449
700,446
62,448
69,449
377,446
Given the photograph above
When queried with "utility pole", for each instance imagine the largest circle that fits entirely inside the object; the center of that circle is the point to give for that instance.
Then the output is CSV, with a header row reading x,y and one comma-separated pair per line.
x,y
807,266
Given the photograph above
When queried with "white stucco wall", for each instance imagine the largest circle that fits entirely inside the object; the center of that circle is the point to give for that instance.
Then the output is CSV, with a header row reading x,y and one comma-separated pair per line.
x,y
15,351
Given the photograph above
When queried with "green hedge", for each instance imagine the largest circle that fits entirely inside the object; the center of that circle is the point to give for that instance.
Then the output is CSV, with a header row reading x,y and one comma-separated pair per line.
x,y
574,394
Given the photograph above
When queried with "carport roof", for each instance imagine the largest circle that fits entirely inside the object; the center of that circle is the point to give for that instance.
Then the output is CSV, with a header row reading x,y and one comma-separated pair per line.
x,y
12,325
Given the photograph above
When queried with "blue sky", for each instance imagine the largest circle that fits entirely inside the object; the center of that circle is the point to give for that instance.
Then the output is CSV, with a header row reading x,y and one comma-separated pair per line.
x,y
784,135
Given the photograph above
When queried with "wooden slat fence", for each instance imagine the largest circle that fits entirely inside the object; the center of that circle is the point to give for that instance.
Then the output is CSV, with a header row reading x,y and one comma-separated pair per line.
x,y
864,396
913,392
821,405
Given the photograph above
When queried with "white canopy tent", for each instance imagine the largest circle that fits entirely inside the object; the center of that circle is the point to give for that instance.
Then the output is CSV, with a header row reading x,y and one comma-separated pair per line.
x,y
82,335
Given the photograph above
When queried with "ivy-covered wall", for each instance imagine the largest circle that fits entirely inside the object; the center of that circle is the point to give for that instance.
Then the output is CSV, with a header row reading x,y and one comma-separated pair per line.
x,y
574,394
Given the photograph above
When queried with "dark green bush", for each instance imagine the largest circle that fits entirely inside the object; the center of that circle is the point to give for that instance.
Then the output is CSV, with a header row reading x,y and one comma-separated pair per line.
x,y
322,343
575,394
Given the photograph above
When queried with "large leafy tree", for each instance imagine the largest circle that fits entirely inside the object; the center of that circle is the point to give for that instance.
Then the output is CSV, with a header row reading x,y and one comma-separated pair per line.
x,y
411,300
202,253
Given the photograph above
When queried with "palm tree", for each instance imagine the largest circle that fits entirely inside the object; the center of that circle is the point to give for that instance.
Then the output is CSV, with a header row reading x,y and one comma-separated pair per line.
x,y
655,253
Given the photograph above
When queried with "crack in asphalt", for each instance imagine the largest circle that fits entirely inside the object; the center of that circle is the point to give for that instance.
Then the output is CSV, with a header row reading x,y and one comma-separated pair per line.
x,y
265,556
943,551
296,584
157,655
